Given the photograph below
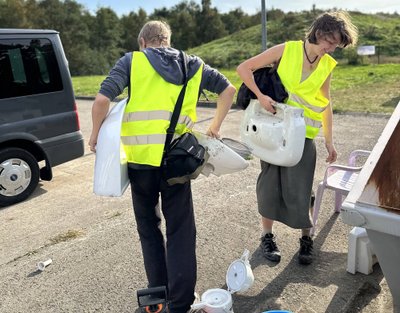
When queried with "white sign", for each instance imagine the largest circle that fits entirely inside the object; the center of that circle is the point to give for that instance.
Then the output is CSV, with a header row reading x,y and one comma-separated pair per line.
x,y
366,50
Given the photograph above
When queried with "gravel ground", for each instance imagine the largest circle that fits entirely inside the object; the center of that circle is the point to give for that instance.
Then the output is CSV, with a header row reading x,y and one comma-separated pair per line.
x,y
97,264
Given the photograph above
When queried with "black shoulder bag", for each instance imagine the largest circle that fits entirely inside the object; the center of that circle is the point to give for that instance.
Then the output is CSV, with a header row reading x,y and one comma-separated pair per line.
x,y
269,83
184,158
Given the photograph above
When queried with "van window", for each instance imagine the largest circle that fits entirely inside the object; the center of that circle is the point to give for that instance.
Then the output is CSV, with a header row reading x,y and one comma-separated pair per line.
x,y
27,67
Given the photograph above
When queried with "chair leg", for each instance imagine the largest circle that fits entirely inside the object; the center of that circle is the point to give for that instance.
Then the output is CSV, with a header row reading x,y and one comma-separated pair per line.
x,y
338,201
317,205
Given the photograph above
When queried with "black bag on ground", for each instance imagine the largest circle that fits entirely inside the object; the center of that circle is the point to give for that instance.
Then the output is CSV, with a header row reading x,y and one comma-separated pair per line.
x,y
269,83
184,160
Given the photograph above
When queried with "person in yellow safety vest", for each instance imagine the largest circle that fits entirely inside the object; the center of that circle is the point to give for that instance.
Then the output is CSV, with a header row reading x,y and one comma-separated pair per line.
x,y
284,193
154,77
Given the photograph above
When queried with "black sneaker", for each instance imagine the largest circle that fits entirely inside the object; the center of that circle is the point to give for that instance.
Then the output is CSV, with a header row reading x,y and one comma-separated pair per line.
x,y
306,250
269,248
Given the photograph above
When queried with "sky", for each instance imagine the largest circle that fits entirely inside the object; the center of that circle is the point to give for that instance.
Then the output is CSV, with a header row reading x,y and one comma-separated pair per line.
x,y
249,6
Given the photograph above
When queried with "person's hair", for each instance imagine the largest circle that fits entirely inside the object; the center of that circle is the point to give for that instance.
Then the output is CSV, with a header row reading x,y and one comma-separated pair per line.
x,y
156,33
329,23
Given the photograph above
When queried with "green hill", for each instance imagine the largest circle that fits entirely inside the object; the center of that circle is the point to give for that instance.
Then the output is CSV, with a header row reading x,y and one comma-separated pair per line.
x,y
381,30
367,87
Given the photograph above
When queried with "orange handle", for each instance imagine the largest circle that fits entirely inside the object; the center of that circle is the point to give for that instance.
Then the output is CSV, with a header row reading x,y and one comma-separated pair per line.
x,y
159,308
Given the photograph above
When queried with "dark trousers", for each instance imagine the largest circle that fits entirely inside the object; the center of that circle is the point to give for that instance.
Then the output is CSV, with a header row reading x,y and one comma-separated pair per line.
x,y
171,263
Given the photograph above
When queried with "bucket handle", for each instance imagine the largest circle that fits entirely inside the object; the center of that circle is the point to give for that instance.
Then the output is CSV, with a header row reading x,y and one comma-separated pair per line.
x,y
245,256
198,306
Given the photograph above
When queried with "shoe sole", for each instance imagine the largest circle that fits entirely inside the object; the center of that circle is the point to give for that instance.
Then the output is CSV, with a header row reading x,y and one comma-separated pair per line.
x,y
273,258
304,262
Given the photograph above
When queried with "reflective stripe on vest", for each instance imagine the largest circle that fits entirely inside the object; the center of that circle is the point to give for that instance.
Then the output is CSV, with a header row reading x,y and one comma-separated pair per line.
x,y
305,94
156,115
149,110
145,139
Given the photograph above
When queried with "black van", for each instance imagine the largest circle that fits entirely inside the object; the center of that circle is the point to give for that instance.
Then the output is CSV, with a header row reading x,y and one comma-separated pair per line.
x,y
39,124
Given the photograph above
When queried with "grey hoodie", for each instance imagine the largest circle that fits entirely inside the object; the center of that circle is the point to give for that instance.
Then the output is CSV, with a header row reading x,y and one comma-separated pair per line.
x,y
167,62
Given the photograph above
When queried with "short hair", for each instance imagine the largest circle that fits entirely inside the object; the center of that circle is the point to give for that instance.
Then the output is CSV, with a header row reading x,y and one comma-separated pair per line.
x,y
329,23
156,32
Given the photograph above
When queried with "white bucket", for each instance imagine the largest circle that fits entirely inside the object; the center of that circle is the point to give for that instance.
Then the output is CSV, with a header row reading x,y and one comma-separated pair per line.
x,y
217,301
239,278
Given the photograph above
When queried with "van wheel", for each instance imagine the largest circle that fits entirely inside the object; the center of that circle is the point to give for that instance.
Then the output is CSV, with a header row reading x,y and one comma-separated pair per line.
x,y
19,175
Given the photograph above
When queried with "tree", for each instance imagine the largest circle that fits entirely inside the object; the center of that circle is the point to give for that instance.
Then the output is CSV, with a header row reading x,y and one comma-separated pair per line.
x,y
182,19
33,14
131,25
236,20
160,14
106,38
12,13
75,36
53,15
66,18
209,24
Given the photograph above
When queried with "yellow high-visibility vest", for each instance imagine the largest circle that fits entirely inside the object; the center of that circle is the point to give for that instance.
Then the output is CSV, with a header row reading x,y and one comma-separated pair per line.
x,y
149,109
305,94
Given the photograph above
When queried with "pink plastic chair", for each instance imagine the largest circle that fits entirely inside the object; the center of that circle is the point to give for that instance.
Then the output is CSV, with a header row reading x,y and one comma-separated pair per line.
x,y
339,178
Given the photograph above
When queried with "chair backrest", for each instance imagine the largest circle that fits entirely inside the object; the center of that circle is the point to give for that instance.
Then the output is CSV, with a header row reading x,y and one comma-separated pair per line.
x,y
356,155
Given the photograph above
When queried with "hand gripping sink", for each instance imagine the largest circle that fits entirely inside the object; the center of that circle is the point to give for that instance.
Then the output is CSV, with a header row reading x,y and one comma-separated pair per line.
x,y
277,139
222,159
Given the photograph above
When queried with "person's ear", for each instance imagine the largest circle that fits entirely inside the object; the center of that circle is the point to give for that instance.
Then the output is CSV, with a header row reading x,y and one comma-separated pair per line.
x,y
318,36
142,43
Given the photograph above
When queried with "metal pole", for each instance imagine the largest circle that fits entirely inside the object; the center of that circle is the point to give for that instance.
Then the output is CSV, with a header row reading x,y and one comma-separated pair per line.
x,y
263,25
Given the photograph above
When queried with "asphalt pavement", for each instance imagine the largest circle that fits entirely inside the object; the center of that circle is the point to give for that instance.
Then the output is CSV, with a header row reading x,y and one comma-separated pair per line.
x,y
96,256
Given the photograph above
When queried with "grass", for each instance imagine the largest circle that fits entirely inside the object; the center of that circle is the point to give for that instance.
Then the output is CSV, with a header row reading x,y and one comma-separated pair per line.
x,y
372,88
89,85
369,88
380,30
69,235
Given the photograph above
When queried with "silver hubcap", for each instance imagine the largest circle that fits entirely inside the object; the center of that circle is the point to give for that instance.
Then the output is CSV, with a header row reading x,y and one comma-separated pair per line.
x,y
15,176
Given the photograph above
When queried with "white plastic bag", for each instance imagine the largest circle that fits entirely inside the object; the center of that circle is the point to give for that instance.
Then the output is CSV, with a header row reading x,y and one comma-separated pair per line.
x,y
111,168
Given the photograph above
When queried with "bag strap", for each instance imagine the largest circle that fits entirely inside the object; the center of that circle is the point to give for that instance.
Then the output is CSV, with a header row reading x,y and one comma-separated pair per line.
x,y
178,105
276,65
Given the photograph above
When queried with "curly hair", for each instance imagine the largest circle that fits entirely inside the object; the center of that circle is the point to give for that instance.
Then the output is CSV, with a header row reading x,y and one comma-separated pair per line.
x,y
330,23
